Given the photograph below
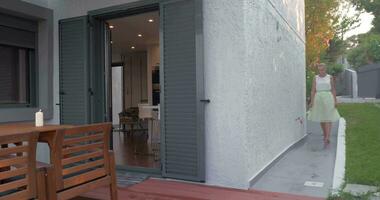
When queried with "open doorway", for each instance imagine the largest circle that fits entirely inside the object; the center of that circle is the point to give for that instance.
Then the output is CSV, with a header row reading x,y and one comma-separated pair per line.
x,y
136,90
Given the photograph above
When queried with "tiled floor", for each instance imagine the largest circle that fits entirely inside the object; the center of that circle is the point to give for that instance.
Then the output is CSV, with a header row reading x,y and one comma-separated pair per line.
x,y
153,189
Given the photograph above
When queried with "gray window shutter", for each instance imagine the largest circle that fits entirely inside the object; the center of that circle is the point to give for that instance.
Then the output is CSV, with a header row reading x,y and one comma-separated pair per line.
x,y
182,70
17,37
73,71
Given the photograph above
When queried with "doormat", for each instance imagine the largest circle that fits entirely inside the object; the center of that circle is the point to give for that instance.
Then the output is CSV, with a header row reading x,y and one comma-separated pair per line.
x,y
127,179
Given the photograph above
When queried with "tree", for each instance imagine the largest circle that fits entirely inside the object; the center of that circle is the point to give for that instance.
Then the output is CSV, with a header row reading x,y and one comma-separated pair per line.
x,y
325,25
365,50
337,47
370,6
343,23
346,21
320,17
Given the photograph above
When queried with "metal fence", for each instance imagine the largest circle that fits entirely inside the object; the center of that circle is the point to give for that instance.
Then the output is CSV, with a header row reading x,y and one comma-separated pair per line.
x,y
346,83
369,81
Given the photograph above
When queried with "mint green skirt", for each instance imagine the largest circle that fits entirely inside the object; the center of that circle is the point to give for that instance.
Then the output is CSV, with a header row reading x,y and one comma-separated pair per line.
x,y
323,109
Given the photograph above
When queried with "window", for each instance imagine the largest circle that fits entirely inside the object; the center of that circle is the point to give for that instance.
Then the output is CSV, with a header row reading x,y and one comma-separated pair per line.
x,y
16,68
17,61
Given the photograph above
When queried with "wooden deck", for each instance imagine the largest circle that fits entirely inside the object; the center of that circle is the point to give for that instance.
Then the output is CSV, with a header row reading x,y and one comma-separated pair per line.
x,y
153,189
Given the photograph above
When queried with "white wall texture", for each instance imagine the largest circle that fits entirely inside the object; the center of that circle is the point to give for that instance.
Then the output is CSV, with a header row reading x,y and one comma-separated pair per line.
x,y
254,75
276,61
224,57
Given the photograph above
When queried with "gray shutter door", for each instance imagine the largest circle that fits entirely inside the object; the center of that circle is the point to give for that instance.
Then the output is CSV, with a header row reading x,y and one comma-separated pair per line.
x,y
73,71
182,71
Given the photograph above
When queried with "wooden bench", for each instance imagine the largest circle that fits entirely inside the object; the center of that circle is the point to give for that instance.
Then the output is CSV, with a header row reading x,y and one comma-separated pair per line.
x,y
82,162
18,174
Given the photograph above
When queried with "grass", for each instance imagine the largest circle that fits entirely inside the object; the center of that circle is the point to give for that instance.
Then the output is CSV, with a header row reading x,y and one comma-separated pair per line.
x,y
362,143
347,196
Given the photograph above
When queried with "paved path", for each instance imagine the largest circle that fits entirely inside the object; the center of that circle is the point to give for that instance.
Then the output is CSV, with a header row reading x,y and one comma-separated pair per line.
x,y
357,100
308,161
153,189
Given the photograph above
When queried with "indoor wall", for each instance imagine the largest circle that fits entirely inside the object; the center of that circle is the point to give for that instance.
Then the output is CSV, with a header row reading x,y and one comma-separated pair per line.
x,y
135,79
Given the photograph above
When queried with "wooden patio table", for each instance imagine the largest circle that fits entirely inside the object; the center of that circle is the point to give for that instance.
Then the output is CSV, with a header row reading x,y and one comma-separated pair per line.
x,y
47,133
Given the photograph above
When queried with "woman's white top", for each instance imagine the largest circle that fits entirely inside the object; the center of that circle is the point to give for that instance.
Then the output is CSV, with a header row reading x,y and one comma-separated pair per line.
x,y
323,83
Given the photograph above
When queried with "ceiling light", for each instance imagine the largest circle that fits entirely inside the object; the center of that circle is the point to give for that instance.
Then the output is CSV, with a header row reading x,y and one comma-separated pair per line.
x,y
133,47
111,26
151,20
139,35
111,42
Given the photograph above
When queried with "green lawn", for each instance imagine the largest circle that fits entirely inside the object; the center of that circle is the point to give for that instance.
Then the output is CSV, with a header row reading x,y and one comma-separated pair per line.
x,y
362,143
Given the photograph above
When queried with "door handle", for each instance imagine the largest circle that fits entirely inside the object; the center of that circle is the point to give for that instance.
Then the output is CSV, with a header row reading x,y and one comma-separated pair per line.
x,y
90,91
205,100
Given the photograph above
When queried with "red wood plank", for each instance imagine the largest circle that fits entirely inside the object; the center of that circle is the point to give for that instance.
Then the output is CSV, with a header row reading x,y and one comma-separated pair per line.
x,y
172,190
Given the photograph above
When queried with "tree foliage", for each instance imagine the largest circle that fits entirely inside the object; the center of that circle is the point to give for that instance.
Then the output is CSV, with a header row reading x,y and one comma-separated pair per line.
x,y
334,68
320,17
365,50
326,23
373,7
343,23
346,21
337,47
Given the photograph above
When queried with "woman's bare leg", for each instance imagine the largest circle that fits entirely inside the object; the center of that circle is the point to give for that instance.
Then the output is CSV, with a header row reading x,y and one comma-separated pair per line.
x,y
328,132
324,129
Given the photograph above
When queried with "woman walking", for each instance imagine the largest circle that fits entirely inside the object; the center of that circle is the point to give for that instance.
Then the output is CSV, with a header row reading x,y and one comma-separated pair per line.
x,y
323,102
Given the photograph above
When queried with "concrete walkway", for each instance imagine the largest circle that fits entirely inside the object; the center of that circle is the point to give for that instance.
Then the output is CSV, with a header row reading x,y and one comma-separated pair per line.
x,y
307,169
342,99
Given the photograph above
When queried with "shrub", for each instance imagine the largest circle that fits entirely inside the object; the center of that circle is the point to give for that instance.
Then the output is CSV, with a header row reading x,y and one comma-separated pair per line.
x,y
334,69
309,81
366,50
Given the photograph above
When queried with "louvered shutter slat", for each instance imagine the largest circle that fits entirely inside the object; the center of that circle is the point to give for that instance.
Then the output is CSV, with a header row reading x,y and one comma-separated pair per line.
x,y
73,71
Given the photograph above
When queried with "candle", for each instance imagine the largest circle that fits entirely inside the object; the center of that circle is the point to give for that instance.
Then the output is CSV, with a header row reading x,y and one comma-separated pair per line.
x,y
39,118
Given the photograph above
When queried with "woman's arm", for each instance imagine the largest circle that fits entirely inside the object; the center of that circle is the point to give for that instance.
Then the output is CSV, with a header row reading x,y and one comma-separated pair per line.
x,y
333,90
313,90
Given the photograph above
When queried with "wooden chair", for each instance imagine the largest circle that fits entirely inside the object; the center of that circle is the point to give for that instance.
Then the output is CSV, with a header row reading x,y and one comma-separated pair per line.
x,y
82,162
129,117
18,174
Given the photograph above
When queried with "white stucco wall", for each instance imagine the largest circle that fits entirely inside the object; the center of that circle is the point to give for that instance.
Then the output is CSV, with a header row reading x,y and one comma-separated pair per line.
x,y
276,62
224,57
254,75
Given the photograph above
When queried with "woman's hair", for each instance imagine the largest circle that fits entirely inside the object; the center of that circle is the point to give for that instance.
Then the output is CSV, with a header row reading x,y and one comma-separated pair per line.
x,y
321,65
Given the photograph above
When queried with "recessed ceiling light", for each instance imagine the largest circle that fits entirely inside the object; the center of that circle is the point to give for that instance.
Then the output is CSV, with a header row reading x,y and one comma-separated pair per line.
x,y
112,26
151,20
133,47
139,35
